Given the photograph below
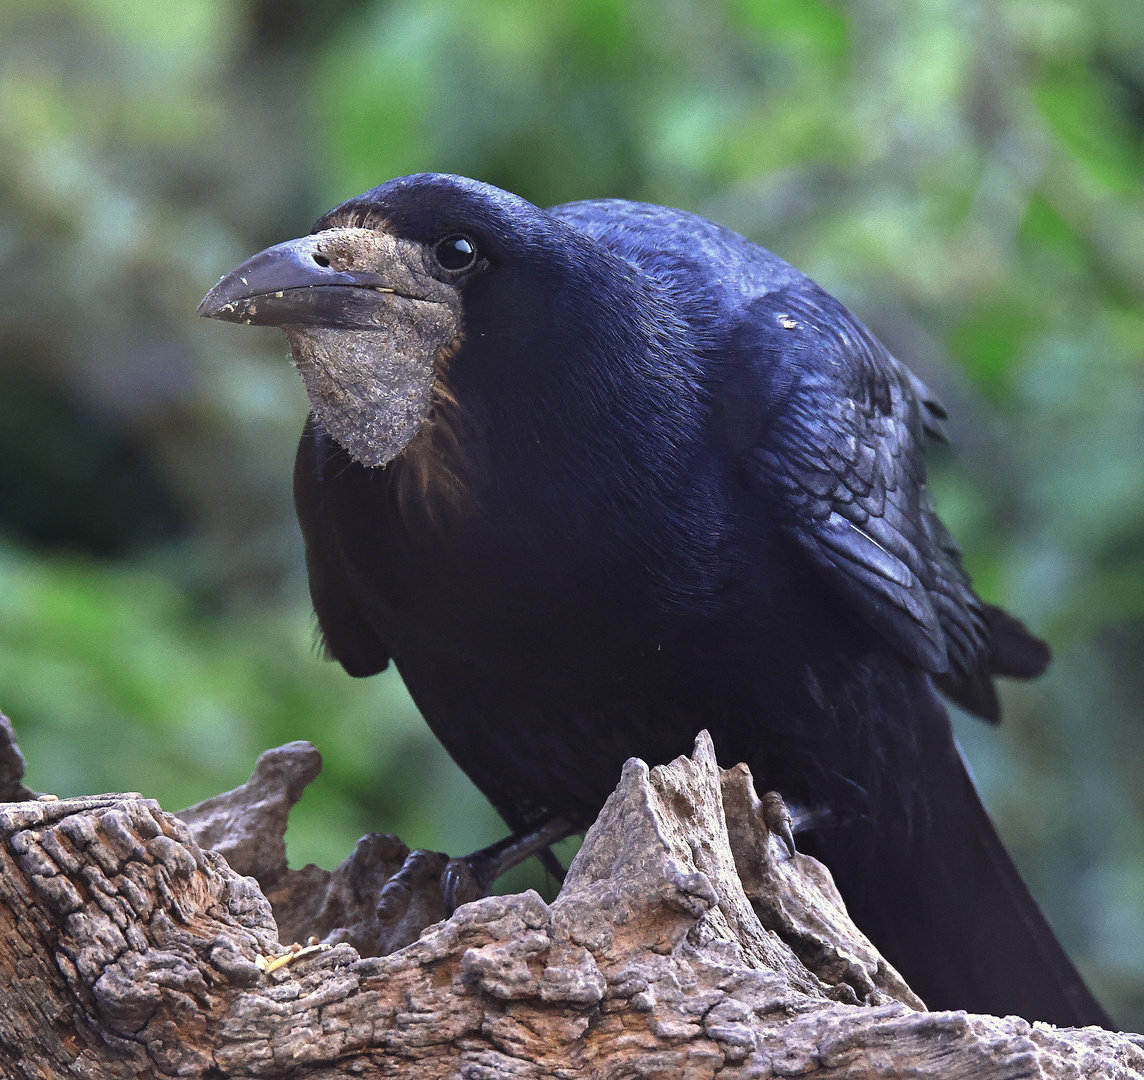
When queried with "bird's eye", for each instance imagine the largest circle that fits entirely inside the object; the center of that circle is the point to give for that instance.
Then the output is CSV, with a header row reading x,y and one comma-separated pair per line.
x,y
455,252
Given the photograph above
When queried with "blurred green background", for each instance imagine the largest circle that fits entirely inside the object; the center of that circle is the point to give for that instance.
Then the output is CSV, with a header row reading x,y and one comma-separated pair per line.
x,y
965,176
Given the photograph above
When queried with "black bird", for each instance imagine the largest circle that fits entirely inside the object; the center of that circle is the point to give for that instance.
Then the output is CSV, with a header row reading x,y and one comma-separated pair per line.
x,y
600,476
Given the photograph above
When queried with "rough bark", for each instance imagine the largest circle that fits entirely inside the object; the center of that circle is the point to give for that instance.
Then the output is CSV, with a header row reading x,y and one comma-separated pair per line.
x,y
686,942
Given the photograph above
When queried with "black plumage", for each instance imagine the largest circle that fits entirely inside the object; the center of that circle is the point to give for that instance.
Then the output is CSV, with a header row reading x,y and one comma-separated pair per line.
x,y
651,479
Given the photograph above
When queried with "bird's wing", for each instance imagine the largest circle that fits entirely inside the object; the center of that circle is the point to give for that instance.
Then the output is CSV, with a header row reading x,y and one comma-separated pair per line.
x,y
347,634
832,428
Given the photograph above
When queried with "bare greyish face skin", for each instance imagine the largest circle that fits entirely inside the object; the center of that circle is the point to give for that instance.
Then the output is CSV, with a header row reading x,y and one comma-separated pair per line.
x,y
372,389
376,321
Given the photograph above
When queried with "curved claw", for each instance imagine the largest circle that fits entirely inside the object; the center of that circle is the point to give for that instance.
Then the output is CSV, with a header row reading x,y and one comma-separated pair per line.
x,y
778,820
395,896
462,882
470,878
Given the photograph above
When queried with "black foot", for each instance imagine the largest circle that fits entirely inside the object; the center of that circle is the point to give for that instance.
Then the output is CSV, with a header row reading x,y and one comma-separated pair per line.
x,y
471,877
406,886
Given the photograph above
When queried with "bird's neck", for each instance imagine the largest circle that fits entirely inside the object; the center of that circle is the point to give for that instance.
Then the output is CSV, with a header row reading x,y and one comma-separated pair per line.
x,y
577,444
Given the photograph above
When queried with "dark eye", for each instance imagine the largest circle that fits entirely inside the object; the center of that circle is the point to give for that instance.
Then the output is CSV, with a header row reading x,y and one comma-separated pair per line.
x,y
455,252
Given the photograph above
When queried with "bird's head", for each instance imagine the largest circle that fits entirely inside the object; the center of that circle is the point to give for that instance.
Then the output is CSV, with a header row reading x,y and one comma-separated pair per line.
x,y
373,299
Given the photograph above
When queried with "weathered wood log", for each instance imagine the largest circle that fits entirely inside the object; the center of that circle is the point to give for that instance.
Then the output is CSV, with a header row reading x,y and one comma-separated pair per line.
x,y
678,947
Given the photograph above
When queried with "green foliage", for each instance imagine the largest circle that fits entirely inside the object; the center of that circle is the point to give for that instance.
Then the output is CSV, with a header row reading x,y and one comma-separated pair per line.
x,y
118,684
966,177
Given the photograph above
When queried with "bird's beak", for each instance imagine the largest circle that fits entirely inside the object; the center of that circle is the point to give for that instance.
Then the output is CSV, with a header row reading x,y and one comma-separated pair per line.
x,y
311,281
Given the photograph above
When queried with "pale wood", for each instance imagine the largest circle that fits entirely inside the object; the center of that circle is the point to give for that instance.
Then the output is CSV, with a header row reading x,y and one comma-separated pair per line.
x,y
128,950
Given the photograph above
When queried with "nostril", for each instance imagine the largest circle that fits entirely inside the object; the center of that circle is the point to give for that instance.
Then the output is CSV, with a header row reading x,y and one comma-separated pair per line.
x,y
320,259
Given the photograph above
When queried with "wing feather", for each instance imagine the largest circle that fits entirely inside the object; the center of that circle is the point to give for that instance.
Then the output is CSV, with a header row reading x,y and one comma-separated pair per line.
x,y
840,442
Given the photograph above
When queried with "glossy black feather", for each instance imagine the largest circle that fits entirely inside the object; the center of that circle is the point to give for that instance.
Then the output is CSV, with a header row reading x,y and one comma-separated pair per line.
x,y
669,483
347,633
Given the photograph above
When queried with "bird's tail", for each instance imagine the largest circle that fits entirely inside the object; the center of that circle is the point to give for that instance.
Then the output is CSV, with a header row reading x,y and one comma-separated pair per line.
x,y
943,902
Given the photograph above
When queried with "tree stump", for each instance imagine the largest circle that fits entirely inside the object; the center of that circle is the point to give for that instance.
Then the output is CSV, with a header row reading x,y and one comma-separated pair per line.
x,y
686,942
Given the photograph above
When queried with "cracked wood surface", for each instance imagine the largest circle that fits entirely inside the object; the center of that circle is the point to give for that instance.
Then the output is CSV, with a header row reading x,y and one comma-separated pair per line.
x,y
685,942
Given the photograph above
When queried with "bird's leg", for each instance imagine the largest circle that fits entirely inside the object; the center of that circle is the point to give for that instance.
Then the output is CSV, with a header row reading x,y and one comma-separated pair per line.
x,y
551,863
471,877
